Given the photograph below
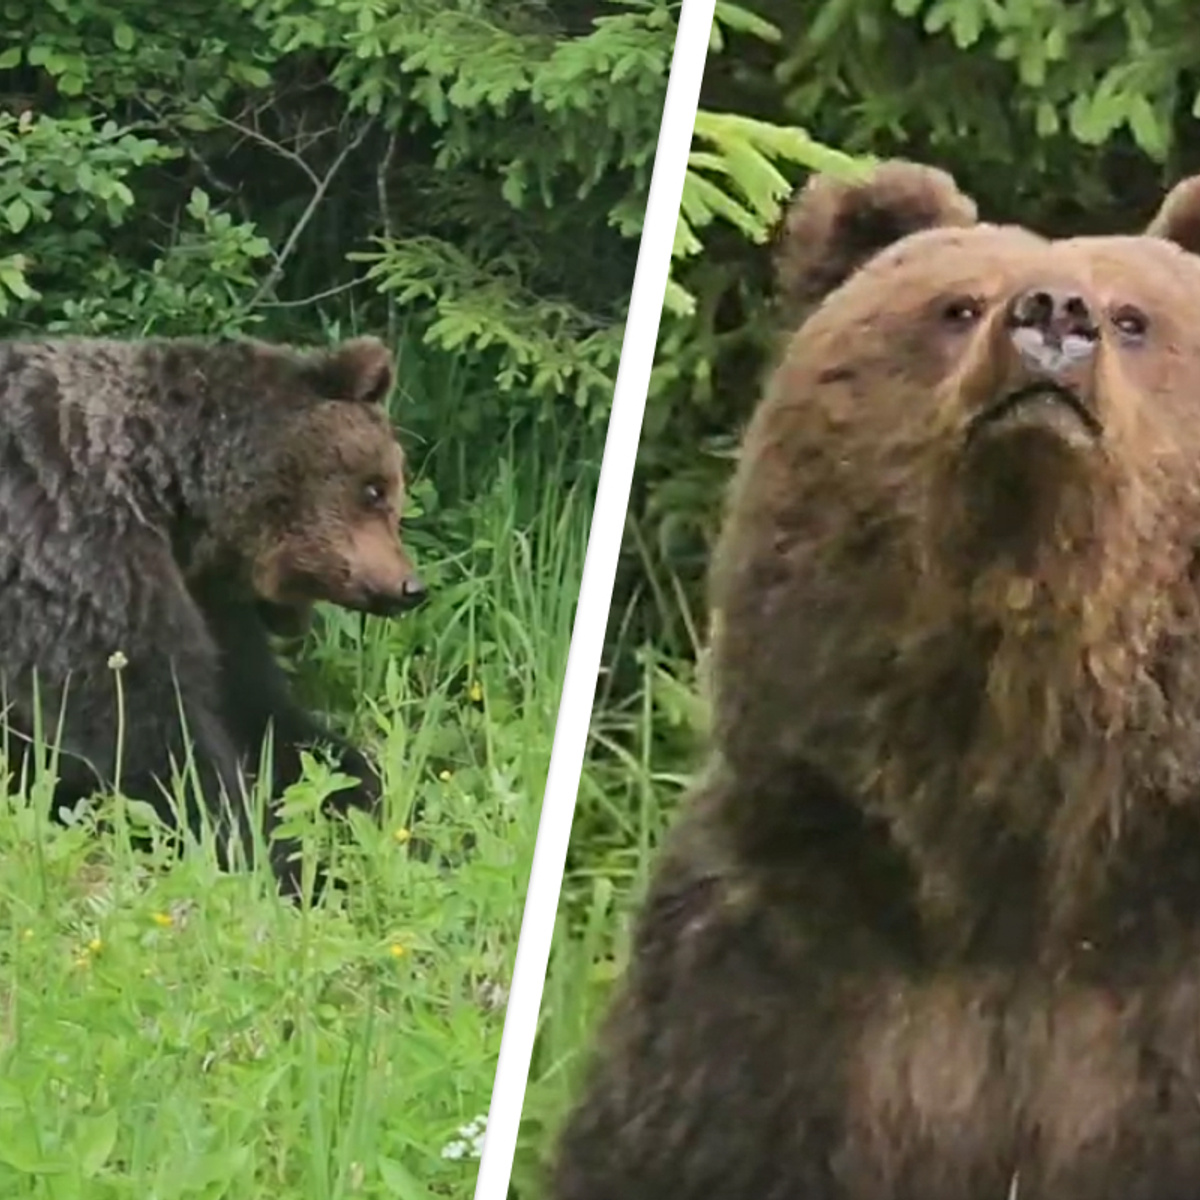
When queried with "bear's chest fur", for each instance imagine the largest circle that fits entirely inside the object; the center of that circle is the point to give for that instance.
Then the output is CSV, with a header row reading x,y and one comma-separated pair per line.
x,y
972,1085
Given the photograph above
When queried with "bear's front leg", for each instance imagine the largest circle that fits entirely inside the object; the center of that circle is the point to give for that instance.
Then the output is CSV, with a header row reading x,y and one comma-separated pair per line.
x,y
257,698
128,660
726,1065
171,721
296,731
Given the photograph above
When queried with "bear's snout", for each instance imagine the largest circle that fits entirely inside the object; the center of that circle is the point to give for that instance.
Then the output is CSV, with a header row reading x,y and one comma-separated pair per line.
x,y
1042,366
1053,329
387,581
391,602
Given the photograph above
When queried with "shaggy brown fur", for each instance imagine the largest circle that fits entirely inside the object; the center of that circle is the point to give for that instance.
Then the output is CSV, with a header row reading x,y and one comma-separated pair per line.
x,y
174,500
930,928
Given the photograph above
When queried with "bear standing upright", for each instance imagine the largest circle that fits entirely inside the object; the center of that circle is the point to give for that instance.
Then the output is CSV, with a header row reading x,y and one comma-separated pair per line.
x,y
163,504
929,928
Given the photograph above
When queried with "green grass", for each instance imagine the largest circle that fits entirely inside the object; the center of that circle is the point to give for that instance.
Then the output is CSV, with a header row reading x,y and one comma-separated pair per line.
x,y
169,1031
645,740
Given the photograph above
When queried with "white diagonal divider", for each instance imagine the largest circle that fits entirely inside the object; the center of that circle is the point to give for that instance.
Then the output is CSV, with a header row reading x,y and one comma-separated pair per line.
x,y
604,543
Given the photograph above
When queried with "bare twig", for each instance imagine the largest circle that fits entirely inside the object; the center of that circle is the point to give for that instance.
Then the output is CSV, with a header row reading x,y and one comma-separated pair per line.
x,y
275,147
333,291
213,180
205,168
319,190
385,216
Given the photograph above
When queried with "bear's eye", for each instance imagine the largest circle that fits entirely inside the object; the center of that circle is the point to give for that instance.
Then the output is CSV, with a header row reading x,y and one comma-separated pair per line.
x,y
1131,323
962,312
374,494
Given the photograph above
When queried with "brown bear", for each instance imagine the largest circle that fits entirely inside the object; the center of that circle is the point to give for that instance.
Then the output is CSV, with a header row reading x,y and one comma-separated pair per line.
x,y
929,928
170,502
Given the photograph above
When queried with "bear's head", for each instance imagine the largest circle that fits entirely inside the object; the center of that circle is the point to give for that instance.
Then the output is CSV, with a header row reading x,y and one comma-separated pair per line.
x,y
958,567
317,515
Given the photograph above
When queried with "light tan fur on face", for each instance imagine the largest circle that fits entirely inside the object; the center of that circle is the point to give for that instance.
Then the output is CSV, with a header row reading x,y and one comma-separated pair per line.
x,y
335,546
923,658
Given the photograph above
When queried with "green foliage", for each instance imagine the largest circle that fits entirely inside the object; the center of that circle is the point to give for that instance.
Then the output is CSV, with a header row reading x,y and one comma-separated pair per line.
x,y
535,126
65,197
474,172
744,155
545,348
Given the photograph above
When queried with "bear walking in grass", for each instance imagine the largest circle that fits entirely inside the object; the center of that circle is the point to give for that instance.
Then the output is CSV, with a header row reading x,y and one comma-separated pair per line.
x,y
929,928
169,502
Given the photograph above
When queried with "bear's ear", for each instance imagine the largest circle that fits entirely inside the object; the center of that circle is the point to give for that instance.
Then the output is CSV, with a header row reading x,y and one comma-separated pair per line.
x,y
1178,217
835,225
360,369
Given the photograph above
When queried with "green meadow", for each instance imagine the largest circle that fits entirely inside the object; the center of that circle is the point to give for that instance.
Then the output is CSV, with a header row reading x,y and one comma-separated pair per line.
x,y
169,1031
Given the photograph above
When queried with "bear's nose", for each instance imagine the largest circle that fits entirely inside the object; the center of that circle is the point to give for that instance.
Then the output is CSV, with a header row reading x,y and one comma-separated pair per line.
x,y
411,593
1052,327
414,591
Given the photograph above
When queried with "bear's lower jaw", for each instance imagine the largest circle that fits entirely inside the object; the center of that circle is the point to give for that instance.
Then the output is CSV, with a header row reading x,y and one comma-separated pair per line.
x,y
383,604
1039,408
1030,487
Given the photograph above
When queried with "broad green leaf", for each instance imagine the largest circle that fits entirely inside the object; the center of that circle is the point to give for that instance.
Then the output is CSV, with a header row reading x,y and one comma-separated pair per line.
x,y
401,1182
95,1141
742,20
17,214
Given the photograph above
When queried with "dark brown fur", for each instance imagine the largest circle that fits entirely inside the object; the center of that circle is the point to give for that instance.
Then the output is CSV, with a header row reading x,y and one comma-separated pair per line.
x,y
930,926
174,501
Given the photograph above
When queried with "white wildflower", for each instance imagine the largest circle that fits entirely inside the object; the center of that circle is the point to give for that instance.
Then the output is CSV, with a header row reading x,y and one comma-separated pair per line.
x,y
469,1143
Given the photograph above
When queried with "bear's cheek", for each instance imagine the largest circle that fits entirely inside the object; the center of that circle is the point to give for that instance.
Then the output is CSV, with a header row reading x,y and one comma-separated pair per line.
x,y
293,573
379,574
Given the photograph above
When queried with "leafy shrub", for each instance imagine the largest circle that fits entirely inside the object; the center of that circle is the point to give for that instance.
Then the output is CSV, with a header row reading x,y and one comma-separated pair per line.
x,y
473,172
